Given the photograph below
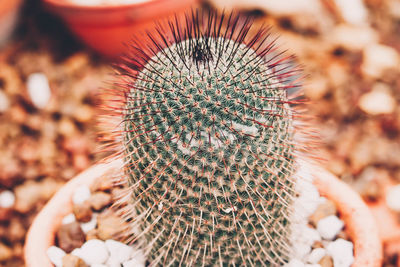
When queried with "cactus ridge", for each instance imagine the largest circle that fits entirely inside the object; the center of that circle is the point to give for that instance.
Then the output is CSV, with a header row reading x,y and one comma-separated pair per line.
x,y
207,137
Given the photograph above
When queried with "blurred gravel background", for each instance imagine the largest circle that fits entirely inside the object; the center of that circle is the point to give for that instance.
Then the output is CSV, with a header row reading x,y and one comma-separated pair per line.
x,y
49,85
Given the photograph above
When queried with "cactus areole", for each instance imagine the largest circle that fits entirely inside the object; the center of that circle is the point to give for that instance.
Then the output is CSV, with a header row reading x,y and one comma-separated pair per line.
x,y
208,143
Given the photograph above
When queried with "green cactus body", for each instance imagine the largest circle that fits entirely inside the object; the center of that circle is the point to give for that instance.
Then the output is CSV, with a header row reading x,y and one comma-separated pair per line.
x,y
209,147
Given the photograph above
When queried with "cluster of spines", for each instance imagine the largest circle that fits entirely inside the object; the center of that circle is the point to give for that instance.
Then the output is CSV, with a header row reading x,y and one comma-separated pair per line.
x,y
202,51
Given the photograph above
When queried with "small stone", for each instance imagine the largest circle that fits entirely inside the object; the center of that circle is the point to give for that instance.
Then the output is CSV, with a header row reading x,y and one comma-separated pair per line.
x,y
342,252
102,185
4,102
292,263
316,255
82,212
99,265
27,195
326,261
353,12
90,225
94,251
38,89
76,252
113,263
378,101
312,265
66,127
393,198
109,226
68,219
81,194
83,113
70,236
56,255
99,200
139,256
118,251
16,230
70,260
92,234
324,209
329,227
6,253
7,199
133,263
353,38
377,58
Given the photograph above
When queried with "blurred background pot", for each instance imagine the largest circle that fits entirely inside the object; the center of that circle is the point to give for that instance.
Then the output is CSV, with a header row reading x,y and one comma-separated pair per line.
x,y
358,220
107,28
8,18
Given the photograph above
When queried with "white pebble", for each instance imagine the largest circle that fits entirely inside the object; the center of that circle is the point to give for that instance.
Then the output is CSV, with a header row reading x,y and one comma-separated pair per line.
x,y
118,251
138,254
68,219
378,101
133,263
7,199
329,227
341,252
353,11
393,198
377,58
312,265
98,265
55,255
77,252
351,37
293,263
94,251
81,194
316,255
38,89
4,102
90,225
303,236
113,263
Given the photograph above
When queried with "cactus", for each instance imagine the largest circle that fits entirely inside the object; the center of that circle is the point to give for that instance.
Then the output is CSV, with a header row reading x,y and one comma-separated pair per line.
x,y
208,143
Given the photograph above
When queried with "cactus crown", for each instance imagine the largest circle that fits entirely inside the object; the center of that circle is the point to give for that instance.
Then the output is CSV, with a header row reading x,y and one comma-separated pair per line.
x,y
208,143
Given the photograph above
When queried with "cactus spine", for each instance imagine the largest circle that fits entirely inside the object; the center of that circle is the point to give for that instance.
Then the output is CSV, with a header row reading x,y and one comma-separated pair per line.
x,y
208,144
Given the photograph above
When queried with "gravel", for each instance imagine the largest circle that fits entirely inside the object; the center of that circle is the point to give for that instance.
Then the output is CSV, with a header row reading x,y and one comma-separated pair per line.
x,y
314,232
341,251
7,199
393,198
94,251
378,101
39,89
329,227
4,102
55,255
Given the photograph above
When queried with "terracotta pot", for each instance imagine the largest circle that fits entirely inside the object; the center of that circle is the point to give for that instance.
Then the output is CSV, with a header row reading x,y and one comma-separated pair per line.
x,y
107,28
387,220
358,220
8,18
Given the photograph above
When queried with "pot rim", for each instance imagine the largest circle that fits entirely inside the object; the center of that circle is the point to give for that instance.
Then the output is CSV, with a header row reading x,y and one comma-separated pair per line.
x,y
7,6
358,219
65,4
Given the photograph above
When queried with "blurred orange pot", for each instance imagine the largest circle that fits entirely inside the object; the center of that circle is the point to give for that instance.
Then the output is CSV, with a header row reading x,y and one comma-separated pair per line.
x,y
358,220
8,18
107,28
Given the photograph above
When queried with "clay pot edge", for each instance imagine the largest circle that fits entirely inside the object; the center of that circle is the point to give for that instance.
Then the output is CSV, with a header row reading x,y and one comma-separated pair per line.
x,y
357,217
